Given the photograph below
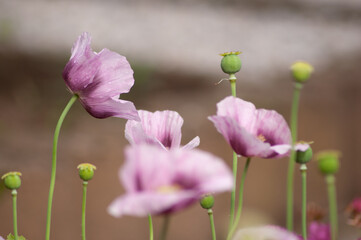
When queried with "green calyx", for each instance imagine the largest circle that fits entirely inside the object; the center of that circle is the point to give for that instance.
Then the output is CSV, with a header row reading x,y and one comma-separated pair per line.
x,y
207,202
12,180
12,237
231,63
304,157
328,161
86,171
301,71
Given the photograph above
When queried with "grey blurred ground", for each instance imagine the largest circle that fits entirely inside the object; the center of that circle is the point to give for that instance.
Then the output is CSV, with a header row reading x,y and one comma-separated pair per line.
x,y
173,47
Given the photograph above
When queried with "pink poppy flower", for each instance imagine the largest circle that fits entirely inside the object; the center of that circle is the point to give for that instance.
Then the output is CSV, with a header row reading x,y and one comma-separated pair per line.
x,y
353,211
319,231
98,79
162,128
158,181
253,132
265,233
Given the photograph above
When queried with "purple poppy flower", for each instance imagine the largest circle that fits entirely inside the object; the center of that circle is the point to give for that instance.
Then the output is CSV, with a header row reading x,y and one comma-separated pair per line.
x,y
98,79
318,231
252,132
158,181
162,128
265,233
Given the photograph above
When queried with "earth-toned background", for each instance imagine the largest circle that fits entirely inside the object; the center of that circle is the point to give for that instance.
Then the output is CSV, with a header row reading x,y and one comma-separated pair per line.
x,y
173,47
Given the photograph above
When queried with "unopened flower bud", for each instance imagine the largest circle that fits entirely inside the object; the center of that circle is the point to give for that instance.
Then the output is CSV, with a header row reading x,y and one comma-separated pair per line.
x,y
231,63
304,156
328,161
86,171
301,71
12,180
207,202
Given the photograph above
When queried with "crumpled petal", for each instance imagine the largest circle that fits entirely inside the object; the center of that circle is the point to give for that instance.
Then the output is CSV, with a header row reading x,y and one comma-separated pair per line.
x,y
158,181
265,233
192,144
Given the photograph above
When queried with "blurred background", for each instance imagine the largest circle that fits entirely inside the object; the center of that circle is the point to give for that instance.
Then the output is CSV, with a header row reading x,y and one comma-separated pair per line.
x,y
173,47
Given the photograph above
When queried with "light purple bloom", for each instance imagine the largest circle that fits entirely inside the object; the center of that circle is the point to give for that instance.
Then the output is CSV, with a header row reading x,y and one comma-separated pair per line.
x,y
319,231
158,181
162,128
98,79
252,132
265,233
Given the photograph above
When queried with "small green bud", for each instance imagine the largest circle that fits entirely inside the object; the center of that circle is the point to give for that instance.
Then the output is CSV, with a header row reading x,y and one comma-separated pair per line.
x,y
328,161
207,202
86,171
231,63
304,157
301,71
12,180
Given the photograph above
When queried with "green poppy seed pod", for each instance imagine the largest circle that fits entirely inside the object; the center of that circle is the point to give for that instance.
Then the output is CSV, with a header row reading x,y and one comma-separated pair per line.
x,y
304,157
301,71
231,63
12,180
207,202
328,161
86,171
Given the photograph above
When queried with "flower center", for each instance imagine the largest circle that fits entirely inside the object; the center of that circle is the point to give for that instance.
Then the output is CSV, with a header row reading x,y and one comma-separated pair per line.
x,y
169,188
261,137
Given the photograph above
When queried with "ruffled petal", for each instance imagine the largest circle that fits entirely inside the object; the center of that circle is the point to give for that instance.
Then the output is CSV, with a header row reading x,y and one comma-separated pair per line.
x,y
192,144
242,142
265,233
110,107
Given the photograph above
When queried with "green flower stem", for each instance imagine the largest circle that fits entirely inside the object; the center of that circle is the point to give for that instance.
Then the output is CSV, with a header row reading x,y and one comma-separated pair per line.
x,y
232,80
53,169
85,185
331,188
303,170
165,227
150,227
240,199
14,193
210,214
291,165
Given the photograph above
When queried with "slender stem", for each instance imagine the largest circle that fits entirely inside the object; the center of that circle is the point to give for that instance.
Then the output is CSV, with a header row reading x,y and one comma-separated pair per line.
x,y
240,199
330,180
234,167
85,185
291,165
14,193
53,169
303,169
165,227
210,214
150,227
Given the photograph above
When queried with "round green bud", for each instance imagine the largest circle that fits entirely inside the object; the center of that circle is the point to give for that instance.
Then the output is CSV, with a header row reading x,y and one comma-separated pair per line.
x,y
328,161
12,180
207,202
231,63
86,171
304,157
301,71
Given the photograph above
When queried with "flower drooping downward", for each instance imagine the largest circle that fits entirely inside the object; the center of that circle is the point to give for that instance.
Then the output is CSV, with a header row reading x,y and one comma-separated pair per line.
x,y
158,181
162,128
252,132
98,79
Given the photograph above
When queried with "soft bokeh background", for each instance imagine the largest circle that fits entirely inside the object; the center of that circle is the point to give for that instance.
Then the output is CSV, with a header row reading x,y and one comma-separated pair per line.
x,y
173,47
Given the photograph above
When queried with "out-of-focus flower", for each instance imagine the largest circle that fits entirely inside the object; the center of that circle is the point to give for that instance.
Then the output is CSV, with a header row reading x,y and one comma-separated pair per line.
x,y
265,233
354,212
318,231
253,132
98,79
162,128
314,212
158,181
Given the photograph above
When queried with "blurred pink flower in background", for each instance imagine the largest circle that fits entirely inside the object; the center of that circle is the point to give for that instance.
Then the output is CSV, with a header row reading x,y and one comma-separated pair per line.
x,y
98,79
158,181
353,211
162,128
253,132
265,233
319,231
